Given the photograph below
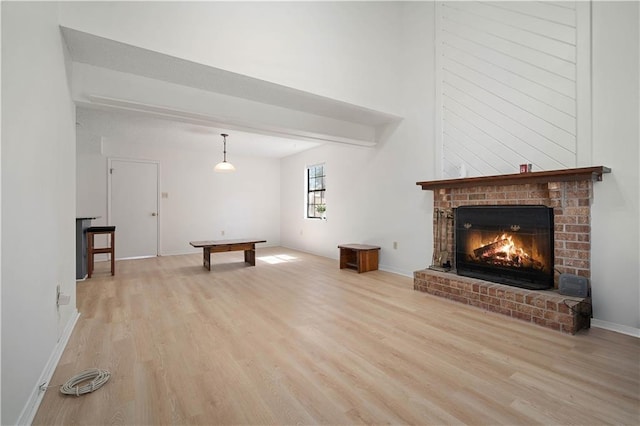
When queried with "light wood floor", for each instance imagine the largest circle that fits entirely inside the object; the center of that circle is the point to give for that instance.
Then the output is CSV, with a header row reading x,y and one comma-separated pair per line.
x,y
296,340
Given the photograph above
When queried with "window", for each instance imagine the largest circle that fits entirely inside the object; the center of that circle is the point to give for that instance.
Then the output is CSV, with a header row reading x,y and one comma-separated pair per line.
x,y
316,205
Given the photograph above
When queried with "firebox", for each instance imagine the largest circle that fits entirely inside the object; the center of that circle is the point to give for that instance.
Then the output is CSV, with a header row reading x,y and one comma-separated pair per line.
x,y
510,245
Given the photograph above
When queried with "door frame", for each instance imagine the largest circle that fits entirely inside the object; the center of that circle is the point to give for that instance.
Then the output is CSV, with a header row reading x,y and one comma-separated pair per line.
x,y
109,202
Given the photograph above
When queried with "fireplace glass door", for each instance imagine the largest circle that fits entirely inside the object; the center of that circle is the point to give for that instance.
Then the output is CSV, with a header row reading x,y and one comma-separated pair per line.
x,y
506,244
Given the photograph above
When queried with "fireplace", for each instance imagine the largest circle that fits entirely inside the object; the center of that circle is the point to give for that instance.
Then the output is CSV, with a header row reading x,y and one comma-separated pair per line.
x,y
506,244
568,193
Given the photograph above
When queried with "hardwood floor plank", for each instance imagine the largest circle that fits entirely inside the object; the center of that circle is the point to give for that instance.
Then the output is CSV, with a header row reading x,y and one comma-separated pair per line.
x,y
296,340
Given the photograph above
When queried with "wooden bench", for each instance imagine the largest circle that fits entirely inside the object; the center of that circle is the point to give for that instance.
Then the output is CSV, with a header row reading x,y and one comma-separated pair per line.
x,y
208,247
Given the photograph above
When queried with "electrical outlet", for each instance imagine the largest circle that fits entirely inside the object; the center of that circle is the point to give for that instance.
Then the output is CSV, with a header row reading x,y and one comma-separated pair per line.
x,y
61,299
222,233
395,245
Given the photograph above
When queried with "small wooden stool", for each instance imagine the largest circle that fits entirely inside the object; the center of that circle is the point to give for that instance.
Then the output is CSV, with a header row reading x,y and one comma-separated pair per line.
x,y
361,257
92,231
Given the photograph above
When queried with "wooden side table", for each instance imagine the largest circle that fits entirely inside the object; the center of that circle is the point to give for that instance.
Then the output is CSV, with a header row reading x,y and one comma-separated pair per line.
x,y
361,257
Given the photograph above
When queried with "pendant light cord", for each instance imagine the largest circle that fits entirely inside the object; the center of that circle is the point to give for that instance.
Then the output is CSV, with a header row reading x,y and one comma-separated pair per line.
x,y
224,149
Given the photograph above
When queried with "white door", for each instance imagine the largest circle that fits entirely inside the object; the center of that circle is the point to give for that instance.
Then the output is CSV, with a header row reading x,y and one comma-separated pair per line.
x,y
133,207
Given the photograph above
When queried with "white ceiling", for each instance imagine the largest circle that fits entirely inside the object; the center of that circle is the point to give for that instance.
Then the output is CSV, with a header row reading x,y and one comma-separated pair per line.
x,y
120,121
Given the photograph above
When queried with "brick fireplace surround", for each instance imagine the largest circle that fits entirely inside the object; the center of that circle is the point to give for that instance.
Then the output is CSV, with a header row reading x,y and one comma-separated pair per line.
x,y
569,193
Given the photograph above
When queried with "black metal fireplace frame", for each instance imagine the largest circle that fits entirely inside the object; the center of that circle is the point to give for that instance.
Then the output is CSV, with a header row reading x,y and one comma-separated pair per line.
x,y
499,218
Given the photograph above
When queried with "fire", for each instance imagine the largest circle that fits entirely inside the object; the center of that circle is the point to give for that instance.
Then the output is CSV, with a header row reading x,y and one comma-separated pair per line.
x,y
503,251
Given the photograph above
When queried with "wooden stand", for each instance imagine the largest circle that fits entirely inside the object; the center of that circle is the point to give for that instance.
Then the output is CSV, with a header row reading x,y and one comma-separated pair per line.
x,y
361,257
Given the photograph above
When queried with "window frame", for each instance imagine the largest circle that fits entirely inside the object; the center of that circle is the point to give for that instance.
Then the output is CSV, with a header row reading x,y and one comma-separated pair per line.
x,y
312,191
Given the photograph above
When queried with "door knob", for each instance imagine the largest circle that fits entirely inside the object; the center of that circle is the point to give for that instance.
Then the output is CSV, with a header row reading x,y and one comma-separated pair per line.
x,y
154,214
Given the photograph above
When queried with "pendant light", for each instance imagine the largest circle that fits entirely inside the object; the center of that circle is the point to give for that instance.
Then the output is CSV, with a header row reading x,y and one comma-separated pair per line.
x,y
224,166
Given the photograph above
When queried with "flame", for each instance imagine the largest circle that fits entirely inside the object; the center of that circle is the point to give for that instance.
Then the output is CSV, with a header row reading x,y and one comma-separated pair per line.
x,y
506,250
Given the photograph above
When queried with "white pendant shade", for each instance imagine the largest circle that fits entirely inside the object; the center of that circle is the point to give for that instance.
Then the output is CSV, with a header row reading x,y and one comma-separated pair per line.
x,y
224,166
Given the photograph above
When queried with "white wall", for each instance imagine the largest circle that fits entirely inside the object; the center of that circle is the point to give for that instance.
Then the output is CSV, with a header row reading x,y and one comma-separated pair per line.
x,y
326,48
371,193
616,135
371,199
38,199
200,203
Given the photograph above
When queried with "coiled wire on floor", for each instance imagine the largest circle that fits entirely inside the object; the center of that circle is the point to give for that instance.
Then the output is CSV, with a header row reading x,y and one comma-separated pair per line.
x,y
97,376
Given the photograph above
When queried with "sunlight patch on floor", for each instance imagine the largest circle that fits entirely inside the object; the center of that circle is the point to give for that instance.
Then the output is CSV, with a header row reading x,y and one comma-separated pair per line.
x,y
277,258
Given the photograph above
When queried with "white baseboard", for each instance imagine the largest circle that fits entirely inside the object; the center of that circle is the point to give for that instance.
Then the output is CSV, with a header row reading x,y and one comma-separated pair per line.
x,y
624,329
33,403
396,271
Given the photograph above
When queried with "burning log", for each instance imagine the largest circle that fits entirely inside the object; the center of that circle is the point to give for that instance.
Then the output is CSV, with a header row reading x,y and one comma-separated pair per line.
x,y
493,249
503,252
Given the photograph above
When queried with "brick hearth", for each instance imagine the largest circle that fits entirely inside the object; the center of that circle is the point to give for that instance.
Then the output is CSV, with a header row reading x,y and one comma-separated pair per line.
x,y
569,193
545,308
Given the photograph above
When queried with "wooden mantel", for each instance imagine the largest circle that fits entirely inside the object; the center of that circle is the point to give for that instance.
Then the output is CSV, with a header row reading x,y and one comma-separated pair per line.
x,y
565,175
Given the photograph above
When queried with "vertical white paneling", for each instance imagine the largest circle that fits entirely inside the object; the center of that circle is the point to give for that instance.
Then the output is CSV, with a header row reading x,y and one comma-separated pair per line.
x,y
439,49
583,83
512,85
